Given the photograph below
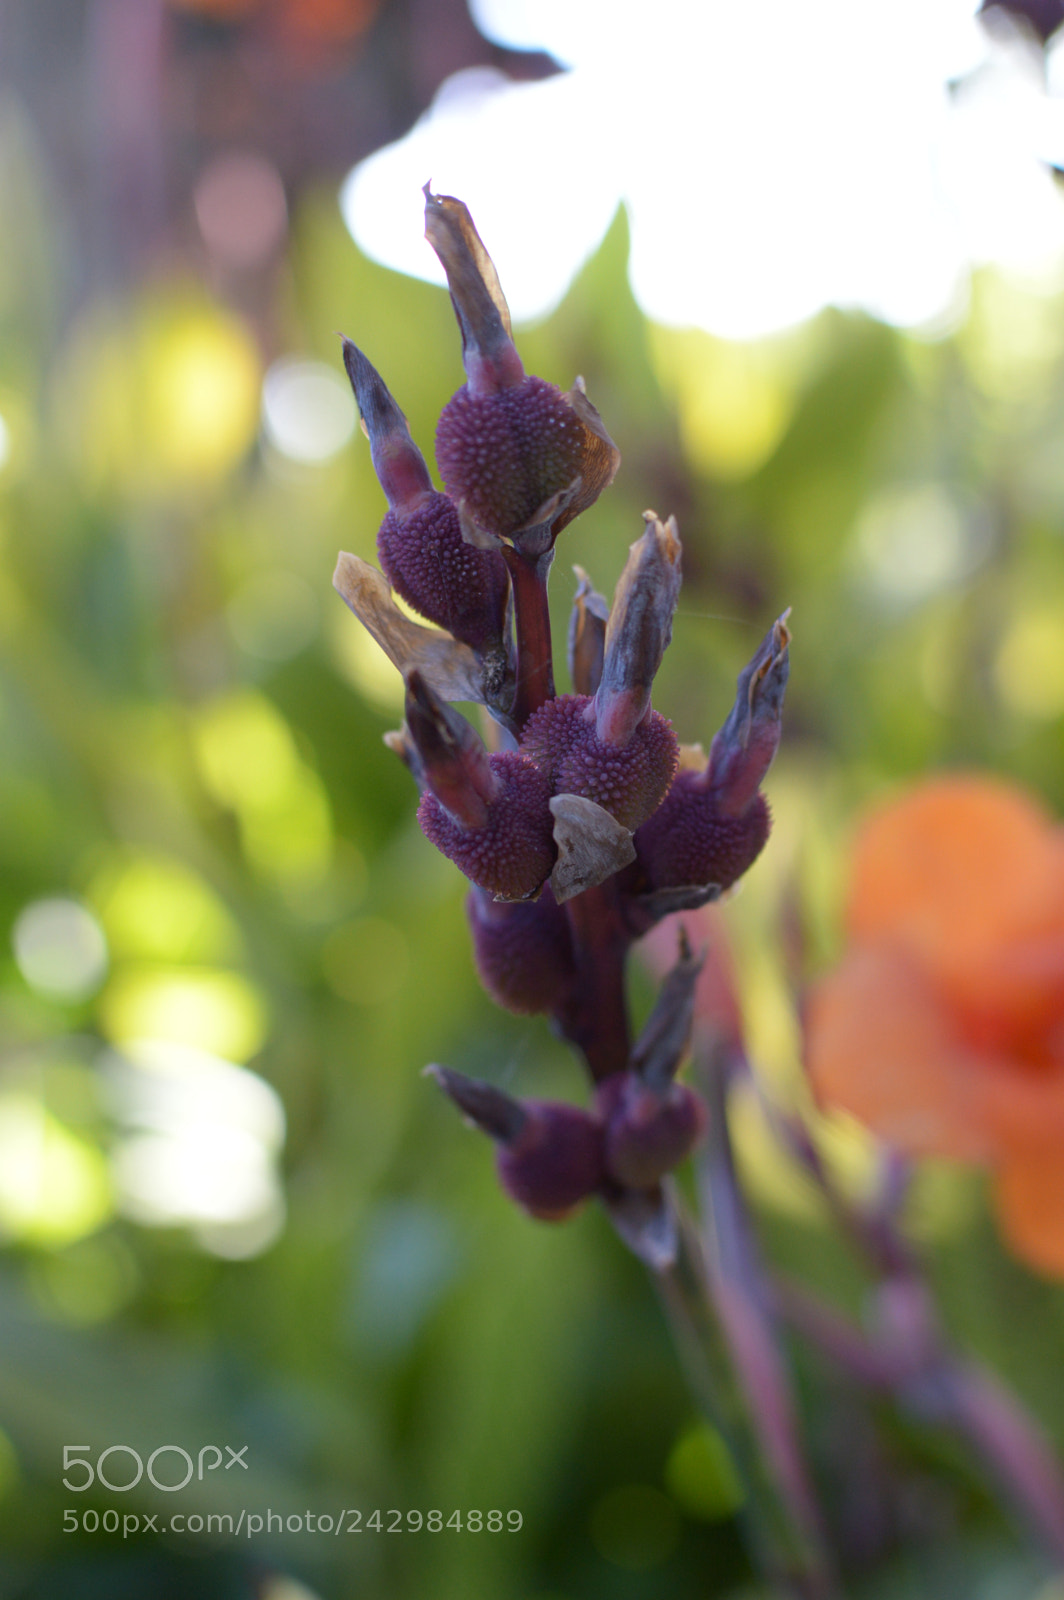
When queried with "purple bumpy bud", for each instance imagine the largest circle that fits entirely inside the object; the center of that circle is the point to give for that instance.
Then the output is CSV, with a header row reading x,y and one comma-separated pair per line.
x,y
712,825
424,556
648,1131
742,752
688,841
639,629
452,583
510,853
627,780
549,1155
505,456
523,952
514,452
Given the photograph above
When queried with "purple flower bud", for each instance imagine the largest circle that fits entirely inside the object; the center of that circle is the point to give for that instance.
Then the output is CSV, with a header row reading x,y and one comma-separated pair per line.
x,y
488,352
587,635
446,756
549,1155
689,842
627,780
490,815
397,461
648,1131
509,458
639,630
455,585
523,952
517,455
420,543
512,853
712,825
742,752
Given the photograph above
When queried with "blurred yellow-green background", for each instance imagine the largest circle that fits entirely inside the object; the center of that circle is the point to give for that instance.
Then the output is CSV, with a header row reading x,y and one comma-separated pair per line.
x,y
232,1212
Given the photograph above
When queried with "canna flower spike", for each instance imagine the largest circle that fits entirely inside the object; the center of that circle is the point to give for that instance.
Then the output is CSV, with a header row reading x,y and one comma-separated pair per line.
x,y
519,458
549,1155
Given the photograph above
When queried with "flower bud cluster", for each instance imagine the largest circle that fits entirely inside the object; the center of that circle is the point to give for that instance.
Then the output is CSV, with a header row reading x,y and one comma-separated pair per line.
x,y
578,824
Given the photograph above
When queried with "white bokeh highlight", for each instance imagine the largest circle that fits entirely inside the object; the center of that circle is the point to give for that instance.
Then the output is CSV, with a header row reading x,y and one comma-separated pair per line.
x,y
774,159
308,412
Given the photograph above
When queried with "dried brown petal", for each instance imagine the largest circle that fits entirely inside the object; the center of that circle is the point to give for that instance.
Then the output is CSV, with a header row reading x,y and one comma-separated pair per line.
x,y
450,667
592,846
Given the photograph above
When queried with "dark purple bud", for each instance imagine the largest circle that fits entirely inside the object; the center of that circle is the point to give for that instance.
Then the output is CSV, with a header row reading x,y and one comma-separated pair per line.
x,y
455,585
649,1131
488,352
742,752
627,780
510,851
420,543
523,952
519,458
397,461
446,756
549,1155
639,630
587,635
512,460
712,825
690,843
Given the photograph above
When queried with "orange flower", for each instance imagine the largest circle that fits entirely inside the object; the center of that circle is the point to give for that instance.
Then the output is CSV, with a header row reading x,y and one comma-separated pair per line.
x,y
943,1028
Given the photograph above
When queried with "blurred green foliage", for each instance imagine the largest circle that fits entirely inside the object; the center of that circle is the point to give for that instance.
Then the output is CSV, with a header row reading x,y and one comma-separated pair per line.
x,y
191,733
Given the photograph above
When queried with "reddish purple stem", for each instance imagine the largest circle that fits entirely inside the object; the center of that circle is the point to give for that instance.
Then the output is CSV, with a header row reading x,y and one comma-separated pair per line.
x,y
535,667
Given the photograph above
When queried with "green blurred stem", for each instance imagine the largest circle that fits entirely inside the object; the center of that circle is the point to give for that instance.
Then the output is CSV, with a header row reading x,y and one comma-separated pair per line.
x,y
787,1551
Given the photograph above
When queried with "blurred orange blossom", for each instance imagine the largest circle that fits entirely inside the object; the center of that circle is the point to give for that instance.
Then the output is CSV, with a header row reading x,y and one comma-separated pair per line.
x,y
942,1030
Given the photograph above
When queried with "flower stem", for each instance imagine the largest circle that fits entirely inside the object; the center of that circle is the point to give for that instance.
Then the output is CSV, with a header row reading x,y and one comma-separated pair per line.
x,y
535,667
596,1019
786,1550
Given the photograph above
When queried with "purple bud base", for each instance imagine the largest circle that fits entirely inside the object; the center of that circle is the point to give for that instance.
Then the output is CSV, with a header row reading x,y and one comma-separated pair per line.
x,y
512,854
452,583
555,1162
648,1132
502,456
629,781
689,840
523,952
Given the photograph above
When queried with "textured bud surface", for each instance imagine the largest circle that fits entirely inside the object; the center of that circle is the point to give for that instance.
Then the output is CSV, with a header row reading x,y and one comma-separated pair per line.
x,y
555,1162
523,952
689,841
629,781
512,854
450,582
504,454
